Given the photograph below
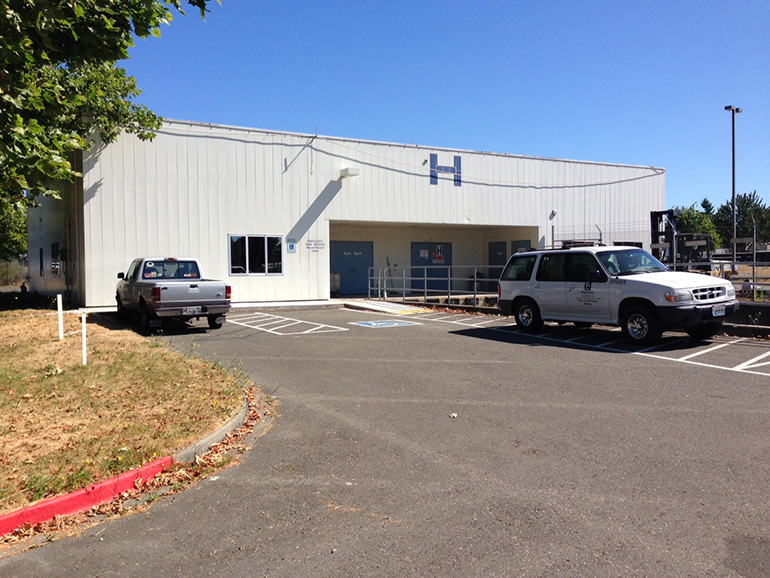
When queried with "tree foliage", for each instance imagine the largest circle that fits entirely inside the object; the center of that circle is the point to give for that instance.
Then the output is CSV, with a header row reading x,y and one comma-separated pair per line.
x,y
747,205
60,88
691,220
13,231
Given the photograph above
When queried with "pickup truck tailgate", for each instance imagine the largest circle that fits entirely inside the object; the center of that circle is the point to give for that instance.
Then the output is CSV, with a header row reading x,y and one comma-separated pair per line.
x,y
201,292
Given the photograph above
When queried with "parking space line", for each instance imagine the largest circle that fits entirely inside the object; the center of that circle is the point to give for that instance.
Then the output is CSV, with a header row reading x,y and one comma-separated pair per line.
x,y
492,320
709,350
274,324
287,325
736,369
269,322
751,363
749,366
613,342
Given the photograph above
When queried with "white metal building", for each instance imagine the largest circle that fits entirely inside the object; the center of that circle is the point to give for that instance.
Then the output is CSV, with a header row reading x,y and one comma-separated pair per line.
x,y
275,213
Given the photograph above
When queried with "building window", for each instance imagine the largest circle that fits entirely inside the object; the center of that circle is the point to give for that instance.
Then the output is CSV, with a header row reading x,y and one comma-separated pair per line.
x,y
256,255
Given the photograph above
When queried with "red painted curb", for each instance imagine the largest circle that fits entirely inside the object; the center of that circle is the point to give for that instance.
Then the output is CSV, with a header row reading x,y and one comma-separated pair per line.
x,y
81,500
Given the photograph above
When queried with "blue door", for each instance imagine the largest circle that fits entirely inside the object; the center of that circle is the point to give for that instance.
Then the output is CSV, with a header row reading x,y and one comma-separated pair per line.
x,y
352,259
522,245
431,260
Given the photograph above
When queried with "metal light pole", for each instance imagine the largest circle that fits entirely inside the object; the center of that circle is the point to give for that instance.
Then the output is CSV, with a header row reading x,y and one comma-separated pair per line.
x,y
734,111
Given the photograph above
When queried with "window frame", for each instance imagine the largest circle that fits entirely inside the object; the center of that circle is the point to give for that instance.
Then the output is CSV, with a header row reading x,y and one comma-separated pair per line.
x,y
268,248
544,262
511,266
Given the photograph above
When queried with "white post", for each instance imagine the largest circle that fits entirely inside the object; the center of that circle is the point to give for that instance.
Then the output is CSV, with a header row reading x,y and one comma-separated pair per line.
x,y
84,337
61,316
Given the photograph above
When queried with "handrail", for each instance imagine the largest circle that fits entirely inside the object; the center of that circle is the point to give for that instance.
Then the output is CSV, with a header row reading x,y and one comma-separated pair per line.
x,y
437,280
751,279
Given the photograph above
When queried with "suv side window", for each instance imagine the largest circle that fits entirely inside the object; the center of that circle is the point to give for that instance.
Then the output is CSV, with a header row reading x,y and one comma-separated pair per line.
x,y
552,267
519,268
581,264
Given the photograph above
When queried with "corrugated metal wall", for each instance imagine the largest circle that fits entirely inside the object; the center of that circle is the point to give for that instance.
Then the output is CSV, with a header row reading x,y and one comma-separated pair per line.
x,y
183,193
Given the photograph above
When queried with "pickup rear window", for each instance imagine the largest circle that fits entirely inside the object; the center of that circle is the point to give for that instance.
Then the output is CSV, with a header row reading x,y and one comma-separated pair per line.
x,y
170,270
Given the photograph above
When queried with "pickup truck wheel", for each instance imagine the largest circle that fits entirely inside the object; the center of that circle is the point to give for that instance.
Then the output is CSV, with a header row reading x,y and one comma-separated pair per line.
x,y
122,313
213,323
641,325
145,317
527,315
704,330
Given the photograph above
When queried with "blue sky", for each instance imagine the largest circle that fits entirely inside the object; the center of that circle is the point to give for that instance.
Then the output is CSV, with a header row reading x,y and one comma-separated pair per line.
x,y
640,83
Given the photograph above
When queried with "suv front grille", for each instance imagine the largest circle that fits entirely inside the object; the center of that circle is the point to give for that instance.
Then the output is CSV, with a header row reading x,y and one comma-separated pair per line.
x,y
705,293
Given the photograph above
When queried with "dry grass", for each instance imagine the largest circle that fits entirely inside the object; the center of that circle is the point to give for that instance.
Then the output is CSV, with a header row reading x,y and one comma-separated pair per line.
x,y
64,426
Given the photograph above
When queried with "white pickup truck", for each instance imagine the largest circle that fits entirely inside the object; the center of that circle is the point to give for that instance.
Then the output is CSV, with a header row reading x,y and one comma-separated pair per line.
x,y
169,288
624,286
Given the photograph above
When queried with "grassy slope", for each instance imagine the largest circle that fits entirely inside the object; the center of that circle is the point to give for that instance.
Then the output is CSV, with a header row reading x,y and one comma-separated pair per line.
x,y
64,426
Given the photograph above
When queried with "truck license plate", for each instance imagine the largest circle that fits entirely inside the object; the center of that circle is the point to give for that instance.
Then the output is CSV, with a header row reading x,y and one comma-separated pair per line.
x,y
718,310
197,311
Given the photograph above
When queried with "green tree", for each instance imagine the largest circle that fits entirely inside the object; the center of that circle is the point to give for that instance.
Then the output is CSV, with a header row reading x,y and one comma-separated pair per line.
x,y
691,220
707,207
747,205
60,89
13,231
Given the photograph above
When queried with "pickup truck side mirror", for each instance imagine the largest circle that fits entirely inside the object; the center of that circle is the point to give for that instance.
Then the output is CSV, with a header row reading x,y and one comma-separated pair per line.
x,y
120,275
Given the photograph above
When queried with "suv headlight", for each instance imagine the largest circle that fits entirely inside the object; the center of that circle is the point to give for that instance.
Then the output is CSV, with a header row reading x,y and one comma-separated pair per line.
x,y
731,291
678,296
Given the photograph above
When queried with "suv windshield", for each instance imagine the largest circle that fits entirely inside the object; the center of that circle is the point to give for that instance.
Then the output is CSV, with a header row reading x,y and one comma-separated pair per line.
x,y
630,262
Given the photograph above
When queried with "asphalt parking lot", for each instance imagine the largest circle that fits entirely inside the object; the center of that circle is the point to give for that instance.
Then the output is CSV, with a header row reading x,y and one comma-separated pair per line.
x,y
438,444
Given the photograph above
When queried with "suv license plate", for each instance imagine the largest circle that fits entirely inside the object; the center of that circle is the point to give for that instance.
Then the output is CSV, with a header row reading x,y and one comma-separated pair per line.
x,y
718,310
197,311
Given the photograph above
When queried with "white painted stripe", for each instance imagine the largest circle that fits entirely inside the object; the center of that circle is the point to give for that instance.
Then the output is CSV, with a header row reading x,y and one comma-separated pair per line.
x,y
704,364
288,324
753,362
709,350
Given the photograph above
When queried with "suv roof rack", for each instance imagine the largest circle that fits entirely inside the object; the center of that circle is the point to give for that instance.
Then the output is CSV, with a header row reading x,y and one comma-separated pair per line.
x,y
570,243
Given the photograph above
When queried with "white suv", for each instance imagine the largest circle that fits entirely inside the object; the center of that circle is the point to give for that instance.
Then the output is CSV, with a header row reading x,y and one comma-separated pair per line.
x,y
623,286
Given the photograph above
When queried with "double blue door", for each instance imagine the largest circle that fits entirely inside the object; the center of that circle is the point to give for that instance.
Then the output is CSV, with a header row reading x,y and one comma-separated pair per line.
x,y
352,259
430,264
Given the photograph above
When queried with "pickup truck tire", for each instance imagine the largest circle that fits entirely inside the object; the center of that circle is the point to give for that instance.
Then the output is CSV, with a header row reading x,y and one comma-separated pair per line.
x,y
704,330
640,325
145,318
527,315
122,313
213,323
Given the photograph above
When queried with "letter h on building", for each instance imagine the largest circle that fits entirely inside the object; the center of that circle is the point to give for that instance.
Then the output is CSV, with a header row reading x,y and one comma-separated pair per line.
x,y
435,169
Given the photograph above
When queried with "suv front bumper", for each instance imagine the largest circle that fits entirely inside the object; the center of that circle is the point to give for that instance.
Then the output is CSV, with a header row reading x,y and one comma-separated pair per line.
x,y
691,315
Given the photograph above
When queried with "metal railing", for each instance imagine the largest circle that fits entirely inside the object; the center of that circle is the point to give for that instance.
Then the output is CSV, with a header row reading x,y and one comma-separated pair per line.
x,y
476,281
751,280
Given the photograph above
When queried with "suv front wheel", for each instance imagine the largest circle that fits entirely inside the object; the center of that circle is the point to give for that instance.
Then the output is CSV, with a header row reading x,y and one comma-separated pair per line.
x,y
640,325
527,315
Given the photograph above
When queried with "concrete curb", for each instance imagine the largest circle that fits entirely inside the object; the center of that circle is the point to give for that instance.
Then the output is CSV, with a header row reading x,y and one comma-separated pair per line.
x,y
106,490
84,499
189,454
